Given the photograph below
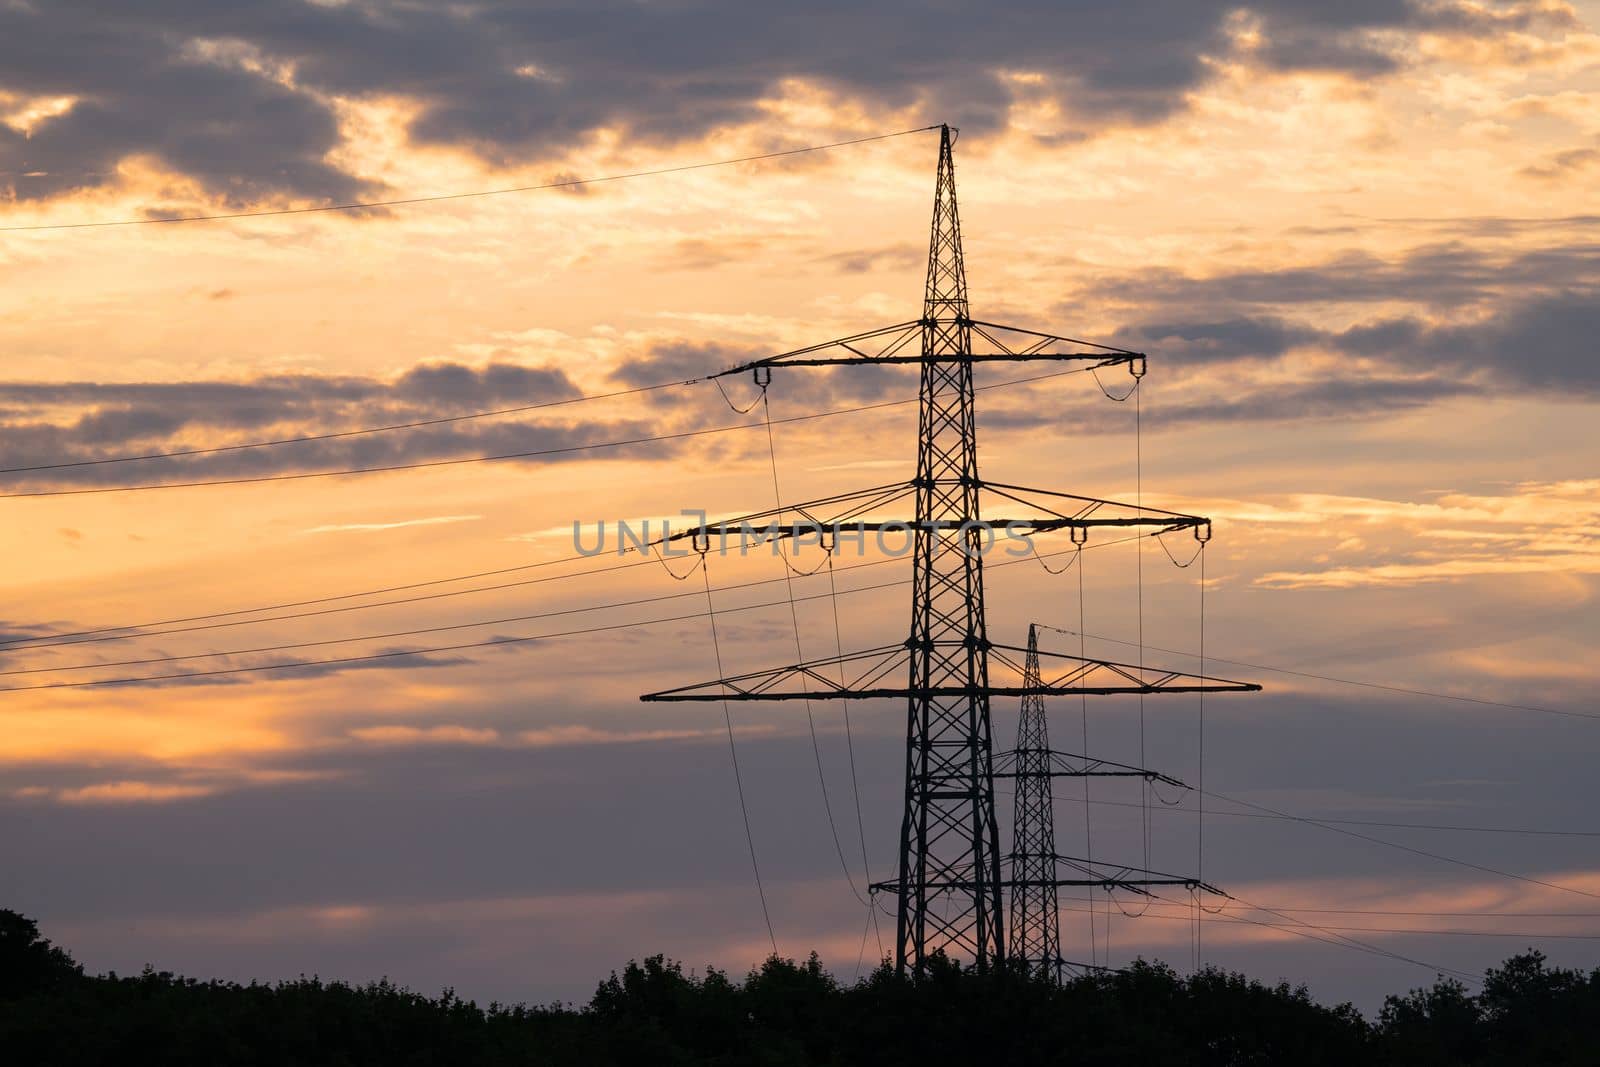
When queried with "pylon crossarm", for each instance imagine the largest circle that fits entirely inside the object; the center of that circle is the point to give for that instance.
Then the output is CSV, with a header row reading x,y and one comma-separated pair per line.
x,y
882,672
1100,677
843,510
1015,340
886,344
1070,765
1073,871
901,343
1088,511
849,512
1140,886
864,675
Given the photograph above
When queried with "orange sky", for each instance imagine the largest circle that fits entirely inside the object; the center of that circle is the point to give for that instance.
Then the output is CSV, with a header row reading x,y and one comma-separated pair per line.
x,y
1367,300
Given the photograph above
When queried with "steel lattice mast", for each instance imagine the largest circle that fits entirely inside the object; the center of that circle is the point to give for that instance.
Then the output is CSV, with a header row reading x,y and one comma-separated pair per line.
x,y
1035,865
1035,915
949,885
949,843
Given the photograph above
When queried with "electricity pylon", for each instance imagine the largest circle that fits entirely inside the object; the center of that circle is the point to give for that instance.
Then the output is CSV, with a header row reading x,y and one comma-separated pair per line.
x,y
1035,918
949,882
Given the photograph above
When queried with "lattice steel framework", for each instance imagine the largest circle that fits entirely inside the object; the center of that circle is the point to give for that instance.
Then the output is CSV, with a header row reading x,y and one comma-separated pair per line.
x,y
1035,914
949,843
950,880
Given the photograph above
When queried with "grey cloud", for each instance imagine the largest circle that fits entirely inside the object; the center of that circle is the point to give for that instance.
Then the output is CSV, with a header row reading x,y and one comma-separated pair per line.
x,y
1544,343
893,257
237,96
84,421
1231,338
801,389
1447,275
1564,163
198,672
1353,398
1496,225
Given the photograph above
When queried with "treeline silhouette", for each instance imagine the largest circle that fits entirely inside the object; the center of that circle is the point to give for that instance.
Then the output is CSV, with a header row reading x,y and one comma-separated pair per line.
x,y
783,1013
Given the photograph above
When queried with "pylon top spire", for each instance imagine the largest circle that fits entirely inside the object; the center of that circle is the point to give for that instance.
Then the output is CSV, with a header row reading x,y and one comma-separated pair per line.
x,y
946,294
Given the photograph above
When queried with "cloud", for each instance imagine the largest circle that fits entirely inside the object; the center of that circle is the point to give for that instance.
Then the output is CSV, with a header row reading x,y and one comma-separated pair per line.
x,y
131,792
232,670
1538,529
362,527
541,737
1446,276
415,735
1456,321
243,99
1543,343
67,422
1563,164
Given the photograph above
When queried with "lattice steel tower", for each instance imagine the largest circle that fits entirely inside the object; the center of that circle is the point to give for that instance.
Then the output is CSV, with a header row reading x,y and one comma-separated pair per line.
x,y
1035,913
948,890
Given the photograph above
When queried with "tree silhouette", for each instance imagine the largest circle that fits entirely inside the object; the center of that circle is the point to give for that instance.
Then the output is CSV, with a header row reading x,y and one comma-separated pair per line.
x,y
786,1012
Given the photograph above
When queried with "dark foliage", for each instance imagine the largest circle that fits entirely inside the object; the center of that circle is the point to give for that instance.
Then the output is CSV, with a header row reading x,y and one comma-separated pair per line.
x,y
784,1013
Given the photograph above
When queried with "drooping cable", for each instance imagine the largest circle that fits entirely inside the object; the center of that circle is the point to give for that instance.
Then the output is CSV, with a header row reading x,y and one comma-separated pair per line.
x,y
1200,789
1313,932
733,755
1138,498
100,635
1426,853
149,629
659,554
799,652
453,648
737,410
1083,708
370,205
850,747
1064,568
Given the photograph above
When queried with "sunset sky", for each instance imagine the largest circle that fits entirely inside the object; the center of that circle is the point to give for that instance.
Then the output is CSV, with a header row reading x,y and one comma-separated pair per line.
x,y
1360,242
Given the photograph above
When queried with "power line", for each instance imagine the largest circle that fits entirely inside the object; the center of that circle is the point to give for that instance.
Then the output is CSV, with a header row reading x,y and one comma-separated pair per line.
x,y
733,755
457,626
138,630
111,633
1305,930
566,183
453,626
1326,825
530,454
371,657
1330,825
638,602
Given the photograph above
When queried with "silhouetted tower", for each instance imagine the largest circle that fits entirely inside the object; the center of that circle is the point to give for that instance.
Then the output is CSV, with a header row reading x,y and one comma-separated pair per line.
x,y
948,838
949,885
1035,915
1036,868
